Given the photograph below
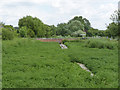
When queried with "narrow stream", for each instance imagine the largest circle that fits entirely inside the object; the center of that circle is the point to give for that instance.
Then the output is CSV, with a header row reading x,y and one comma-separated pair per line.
x,y
81,65
63,46
85,68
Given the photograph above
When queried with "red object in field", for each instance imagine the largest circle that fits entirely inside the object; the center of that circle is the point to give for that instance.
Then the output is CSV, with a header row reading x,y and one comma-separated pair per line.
x,y
50,40
53,39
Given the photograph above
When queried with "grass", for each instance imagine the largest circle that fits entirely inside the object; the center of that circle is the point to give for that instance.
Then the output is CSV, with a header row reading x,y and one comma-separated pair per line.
x,y
34,64
102,43
0,58
102,62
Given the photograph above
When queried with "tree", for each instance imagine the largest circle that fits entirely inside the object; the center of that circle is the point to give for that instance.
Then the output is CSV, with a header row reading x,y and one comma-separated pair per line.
x,y
115,16
30,33
23,31
53,29
113,29
62,29
75,26
39,28
107,33
92,32
41,31
101,33
34,24
86,24
78,33
2,24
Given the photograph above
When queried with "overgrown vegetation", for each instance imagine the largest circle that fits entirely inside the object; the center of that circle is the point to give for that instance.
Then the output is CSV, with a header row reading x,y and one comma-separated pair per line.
x,y
102,43
8,32
77,27
29,63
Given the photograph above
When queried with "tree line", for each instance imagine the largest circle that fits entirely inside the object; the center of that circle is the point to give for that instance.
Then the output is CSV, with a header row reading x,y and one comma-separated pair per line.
x,y
33,27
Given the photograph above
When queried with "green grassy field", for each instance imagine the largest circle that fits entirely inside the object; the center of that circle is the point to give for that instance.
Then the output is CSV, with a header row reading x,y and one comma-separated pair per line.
x,y
34,64
0,64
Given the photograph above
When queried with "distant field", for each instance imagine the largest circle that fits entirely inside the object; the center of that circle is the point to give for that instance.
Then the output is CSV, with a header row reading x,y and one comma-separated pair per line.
x,y
35,64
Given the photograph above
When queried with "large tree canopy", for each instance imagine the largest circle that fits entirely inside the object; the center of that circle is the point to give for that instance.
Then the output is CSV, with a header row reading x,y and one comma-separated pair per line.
x,y
112,28
75,25
83,21
32,23
37,26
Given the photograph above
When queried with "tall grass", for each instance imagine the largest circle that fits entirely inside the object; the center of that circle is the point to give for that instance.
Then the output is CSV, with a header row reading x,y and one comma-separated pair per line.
x,y
28,63
101,43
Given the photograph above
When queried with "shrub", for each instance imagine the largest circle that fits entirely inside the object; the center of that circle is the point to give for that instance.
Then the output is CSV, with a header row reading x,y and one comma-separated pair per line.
x,y
7,34
75,40
63,41
101,43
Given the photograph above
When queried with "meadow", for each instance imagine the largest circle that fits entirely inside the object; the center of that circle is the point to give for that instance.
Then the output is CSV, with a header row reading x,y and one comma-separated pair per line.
x,y
29,63
0,63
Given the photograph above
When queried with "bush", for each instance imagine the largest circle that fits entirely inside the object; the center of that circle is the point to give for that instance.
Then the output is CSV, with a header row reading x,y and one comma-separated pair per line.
x,y
101,43
75,40
7,34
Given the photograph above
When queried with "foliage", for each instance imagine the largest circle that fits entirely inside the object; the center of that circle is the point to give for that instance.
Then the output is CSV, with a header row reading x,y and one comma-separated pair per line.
x,y
92,32
73,26
115,16
2,24
10,27
62,29
85,24
31,23
113,29
39,28
101,43
30,33
7,34
23,31
29,63
78,33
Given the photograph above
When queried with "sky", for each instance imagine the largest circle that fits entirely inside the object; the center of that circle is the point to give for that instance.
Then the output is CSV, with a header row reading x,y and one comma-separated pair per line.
x,y
52,12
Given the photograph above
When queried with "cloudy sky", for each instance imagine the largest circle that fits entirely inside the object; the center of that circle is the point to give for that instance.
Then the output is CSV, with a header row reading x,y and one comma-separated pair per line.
x,y
58,11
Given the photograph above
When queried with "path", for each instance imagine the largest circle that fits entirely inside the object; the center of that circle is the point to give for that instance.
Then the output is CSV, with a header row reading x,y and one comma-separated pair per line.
x,y
63,46
85,68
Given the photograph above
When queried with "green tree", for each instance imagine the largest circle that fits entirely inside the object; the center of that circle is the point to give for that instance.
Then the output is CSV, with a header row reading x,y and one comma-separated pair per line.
x,y
78,33
75,26
34,24
86,24
113,29
39,28
92,32
101,33
53,29
107,33
30,33
23,31
115,16
62,29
